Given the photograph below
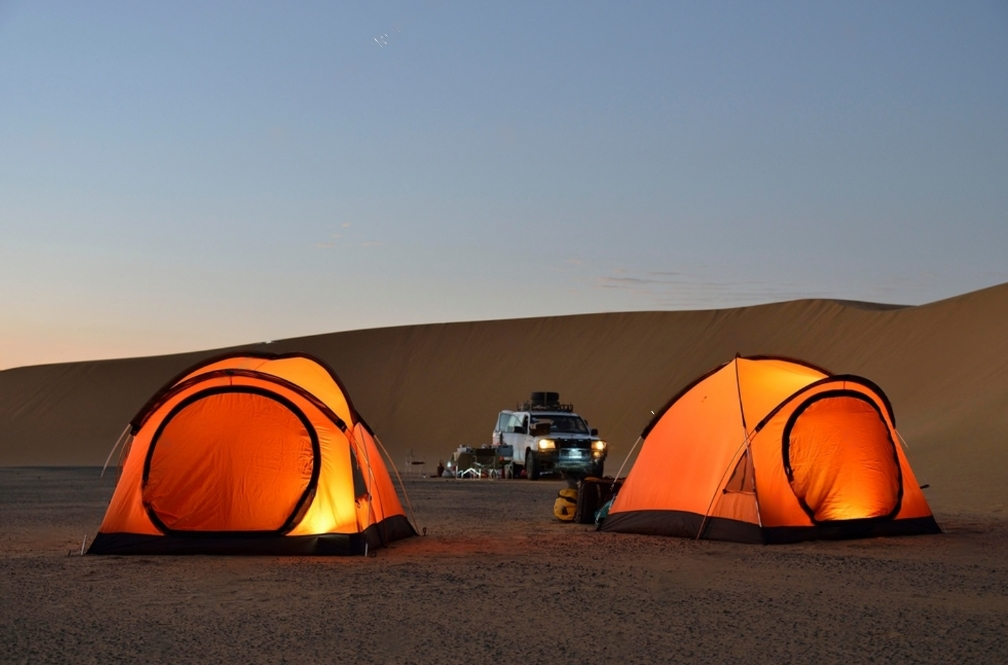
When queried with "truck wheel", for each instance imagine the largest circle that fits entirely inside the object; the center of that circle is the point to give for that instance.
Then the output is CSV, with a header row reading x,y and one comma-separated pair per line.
x,y
530,466
598,470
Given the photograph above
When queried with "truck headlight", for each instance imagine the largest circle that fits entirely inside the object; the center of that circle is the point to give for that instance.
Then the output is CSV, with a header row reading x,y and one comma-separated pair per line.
x,y
598,445
546,444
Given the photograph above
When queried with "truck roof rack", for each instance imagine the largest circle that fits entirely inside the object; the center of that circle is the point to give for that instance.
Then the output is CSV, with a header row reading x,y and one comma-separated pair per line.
x,y
545,401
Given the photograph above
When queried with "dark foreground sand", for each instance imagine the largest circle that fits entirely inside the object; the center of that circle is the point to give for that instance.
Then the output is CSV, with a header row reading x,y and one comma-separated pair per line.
x,y
496,579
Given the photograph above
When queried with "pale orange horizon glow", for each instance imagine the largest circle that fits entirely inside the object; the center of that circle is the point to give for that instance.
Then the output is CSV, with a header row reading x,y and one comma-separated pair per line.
x,y
46,347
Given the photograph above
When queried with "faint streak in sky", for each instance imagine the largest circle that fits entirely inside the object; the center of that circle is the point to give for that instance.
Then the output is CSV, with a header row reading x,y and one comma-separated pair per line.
x,y
363,243
382,40
704,288
679,290
627,282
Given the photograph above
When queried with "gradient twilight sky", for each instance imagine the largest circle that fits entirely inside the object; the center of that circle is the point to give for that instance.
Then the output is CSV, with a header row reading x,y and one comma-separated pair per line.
x,y
180,176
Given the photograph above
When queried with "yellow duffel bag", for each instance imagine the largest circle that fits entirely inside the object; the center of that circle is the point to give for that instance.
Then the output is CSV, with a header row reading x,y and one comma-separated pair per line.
x,y
566,504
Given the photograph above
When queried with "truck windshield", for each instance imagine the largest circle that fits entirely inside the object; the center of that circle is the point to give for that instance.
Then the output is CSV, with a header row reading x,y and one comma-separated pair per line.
x,y
563,424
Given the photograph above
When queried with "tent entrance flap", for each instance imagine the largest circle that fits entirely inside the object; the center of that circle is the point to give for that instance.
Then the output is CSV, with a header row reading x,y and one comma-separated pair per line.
x,y
841,460
231,460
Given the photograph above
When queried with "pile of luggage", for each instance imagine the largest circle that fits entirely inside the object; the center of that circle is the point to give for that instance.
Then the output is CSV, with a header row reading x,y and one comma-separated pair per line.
x,y
588,503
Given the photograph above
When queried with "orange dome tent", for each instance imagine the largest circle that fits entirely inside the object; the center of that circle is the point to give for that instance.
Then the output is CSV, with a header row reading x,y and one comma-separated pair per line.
x,y
771,450
251,453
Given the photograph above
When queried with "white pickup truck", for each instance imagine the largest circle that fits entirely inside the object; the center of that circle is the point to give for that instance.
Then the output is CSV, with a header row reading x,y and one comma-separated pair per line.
x,y
546,436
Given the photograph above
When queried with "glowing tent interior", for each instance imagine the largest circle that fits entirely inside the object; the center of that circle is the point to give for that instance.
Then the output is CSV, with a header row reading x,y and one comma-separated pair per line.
x,y
772,450
249,454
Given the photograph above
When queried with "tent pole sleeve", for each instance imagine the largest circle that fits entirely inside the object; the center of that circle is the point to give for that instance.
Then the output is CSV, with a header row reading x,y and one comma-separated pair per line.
x,y
748,445
738,385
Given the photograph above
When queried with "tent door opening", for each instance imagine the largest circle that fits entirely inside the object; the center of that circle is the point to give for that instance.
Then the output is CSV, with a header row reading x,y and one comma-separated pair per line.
x,y
840,459
231,460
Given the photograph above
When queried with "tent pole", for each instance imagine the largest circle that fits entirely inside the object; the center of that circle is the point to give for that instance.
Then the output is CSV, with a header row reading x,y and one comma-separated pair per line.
x,y
759,516
625,460
731,466
409,503
122,437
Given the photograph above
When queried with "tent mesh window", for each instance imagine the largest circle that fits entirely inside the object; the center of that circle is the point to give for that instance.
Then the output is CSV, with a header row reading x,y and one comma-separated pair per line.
x,y
742,478
360,487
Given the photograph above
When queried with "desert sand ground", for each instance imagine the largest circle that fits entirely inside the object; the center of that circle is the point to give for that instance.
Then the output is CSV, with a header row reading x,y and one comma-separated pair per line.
x,y
496,579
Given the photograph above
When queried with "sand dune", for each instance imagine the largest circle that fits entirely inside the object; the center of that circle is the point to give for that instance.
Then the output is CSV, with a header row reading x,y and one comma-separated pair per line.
x,y
430,388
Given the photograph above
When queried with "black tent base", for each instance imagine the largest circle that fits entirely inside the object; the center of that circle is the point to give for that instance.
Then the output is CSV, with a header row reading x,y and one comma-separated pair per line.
x,y
330,544
914,526
687,525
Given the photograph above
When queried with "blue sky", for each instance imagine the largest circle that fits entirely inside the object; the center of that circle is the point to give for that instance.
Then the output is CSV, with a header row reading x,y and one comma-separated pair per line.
x,y
190,175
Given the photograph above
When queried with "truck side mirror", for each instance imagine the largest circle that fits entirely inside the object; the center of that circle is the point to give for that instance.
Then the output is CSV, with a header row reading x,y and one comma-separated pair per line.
x,y
594,432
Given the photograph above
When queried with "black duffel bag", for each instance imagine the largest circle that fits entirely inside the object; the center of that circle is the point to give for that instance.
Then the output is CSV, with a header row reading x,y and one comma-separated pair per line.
x,y
592,495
